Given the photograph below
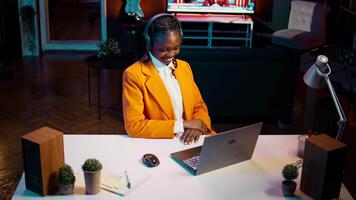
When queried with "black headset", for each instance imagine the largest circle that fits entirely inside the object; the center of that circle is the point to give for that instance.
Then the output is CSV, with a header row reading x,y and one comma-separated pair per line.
x,y
149,24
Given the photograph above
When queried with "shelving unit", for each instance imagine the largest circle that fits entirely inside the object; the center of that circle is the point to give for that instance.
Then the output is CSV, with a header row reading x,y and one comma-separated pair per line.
x,y
216,30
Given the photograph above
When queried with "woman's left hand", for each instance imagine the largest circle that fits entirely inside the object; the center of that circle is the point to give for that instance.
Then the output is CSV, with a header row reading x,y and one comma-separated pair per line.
x,y
190,135
195,124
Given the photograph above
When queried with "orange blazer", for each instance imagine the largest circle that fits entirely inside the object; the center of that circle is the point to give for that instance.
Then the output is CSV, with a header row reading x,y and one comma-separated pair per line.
x,y
147,107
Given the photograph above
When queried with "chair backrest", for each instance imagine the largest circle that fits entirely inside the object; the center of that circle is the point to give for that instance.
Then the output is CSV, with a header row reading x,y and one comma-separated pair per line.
x,y
308,16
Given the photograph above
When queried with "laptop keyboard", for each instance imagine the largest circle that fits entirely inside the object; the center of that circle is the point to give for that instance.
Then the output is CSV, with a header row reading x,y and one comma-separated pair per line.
x,y
192,162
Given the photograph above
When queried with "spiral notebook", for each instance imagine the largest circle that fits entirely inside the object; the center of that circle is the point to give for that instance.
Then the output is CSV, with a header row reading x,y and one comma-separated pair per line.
x,y
120,183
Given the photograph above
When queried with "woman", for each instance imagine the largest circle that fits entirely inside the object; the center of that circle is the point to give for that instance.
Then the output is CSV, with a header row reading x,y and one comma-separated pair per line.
x,y
160,97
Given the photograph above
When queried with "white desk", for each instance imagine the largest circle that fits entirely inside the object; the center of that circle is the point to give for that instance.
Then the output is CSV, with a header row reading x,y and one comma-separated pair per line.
x,y
259,178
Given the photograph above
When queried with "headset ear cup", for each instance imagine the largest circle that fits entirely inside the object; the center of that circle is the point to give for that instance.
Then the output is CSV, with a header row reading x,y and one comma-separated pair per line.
x,y
146,37
148,42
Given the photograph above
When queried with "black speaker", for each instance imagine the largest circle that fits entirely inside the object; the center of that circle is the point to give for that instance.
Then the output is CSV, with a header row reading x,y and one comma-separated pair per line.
x,y
322,167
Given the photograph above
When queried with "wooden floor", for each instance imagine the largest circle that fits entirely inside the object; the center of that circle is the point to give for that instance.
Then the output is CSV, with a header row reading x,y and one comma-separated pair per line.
x,y
53,91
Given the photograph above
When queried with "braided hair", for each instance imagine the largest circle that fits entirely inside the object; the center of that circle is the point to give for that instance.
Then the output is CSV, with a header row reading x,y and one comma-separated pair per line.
x,y
163,25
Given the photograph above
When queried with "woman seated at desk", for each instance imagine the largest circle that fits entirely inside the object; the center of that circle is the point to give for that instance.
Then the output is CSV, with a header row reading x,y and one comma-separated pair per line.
x,y
160,97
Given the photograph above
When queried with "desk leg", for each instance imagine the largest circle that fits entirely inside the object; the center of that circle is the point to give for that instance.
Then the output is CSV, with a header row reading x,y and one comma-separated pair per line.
x,y
98,81
89,86
210,34
247,36
251,33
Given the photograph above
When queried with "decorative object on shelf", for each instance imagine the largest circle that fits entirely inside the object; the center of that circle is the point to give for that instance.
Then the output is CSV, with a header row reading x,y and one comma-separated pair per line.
x,y
66,179
92,171
27,14
131,12
290,172
251,5
108,48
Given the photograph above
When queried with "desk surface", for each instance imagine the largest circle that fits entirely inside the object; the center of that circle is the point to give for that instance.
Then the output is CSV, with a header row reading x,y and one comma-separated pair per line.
x,y
258,178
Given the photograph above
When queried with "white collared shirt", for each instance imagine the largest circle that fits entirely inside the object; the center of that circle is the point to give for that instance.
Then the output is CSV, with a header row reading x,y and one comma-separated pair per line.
x,y
173,88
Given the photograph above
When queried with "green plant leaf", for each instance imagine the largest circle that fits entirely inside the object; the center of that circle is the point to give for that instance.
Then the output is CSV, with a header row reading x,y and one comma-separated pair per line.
x,y
66,175
108,48
290,172
92,164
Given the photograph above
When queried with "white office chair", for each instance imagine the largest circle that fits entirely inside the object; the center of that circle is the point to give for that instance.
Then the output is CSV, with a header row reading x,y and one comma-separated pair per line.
x,y
306,26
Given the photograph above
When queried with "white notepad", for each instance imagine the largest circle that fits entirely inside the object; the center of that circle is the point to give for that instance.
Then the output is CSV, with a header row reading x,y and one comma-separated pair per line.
x,y
118,183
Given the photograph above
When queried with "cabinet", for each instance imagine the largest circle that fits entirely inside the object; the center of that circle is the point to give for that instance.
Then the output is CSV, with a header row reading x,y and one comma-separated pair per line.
x,y
216,30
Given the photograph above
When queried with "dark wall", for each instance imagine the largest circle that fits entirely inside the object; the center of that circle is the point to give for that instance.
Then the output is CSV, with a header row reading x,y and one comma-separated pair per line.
x,y
280,14
264,9
151,7
340,21
10,39
239,84
342,33
272,13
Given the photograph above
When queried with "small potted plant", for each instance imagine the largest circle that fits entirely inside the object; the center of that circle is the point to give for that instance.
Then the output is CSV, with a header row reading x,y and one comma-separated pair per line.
x,y
289,172
66,179
108,48
108,54
92,168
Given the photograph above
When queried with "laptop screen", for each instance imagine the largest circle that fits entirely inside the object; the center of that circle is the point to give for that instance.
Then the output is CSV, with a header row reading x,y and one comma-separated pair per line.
x,y
227,148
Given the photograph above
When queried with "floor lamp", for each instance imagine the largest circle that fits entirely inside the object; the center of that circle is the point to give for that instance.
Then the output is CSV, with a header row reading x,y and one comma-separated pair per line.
x,y
316,77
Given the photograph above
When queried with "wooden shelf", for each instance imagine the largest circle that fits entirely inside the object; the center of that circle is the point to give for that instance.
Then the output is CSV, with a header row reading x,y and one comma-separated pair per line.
x,y
216,30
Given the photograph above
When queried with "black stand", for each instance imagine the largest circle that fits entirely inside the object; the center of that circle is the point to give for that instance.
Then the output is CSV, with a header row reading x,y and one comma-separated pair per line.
x,y
99,64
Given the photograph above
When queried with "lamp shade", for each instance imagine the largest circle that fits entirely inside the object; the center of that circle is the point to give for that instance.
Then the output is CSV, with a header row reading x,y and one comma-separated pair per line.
x,y
314,77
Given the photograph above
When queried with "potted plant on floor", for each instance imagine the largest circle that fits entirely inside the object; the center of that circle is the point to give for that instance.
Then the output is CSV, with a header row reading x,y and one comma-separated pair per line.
x,y
66,179
92,168
289,172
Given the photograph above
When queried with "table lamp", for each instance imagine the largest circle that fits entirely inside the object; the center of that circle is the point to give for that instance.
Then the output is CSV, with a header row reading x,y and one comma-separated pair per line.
x,y
316,77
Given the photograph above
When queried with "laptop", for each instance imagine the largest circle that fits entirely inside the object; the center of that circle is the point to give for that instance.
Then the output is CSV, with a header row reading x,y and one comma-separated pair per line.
x,y
224,149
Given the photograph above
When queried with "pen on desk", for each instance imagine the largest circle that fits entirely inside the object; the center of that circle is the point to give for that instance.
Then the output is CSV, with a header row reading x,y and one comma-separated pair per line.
x,y
128,180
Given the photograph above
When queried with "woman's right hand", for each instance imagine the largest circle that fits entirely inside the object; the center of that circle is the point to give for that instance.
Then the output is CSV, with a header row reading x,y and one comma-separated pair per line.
x,y
190,135
196,124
